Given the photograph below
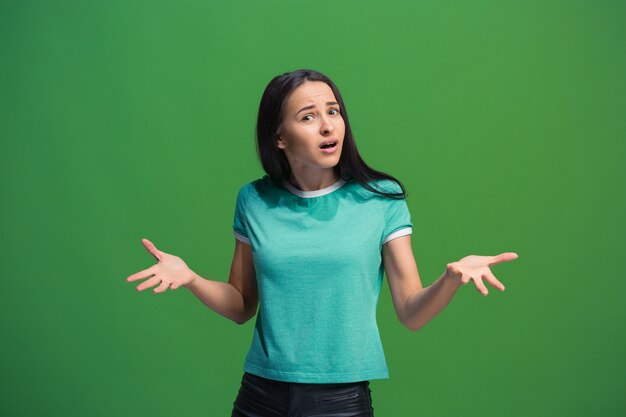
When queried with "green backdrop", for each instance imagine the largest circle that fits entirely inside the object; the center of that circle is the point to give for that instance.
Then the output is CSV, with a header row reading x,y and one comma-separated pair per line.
x,y
122,120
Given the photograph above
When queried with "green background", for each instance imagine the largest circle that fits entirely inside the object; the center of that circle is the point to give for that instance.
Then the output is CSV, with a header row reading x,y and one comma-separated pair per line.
x,y
122,120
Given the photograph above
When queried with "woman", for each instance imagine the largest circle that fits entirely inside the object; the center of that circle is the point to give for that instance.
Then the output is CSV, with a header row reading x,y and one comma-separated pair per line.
x,y
312,239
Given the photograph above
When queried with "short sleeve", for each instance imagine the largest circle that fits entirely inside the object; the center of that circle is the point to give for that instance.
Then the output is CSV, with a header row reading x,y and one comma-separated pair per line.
x,y
240,225
397,216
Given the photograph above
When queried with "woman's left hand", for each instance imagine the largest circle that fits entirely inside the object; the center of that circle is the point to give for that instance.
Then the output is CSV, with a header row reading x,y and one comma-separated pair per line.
x,y
475,268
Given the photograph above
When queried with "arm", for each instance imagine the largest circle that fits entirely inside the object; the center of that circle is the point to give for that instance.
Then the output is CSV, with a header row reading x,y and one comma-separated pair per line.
x,y
415,306
236,299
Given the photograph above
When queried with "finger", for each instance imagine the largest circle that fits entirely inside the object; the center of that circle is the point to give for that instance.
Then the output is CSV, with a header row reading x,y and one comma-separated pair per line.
x,y
162,288
491,279
503,257
146,273
152,249
452,267
149,283
480,286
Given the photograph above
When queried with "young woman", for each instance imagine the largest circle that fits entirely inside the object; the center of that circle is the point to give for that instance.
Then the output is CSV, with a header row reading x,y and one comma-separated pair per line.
x,y
313,238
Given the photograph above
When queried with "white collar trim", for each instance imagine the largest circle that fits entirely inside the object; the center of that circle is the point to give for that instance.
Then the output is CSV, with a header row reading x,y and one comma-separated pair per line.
x,y
314,193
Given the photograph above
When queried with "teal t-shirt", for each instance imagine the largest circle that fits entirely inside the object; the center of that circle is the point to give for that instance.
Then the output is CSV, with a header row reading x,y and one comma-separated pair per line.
x,y
318,261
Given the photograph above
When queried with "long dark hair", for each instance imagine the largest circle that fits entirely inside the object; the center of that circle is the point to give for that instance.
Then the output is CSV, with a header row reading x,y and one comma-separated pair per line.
x,y
273,159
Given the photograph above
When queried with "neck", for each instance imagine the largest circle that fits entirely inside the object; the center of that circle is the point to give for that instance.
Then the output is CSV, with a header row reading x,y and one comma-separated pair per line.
x,y
313,180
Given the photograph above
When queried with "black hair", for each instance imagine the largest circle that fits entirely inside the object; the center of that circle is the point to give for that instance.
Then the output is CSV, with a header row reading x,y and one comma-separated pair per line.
x,y
274,160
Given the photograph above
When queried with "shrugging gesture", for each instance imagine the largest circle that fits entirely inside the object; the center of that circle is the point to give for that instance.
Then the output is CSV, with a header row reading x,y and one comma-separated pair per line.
x,y
170,271
415,305
474,267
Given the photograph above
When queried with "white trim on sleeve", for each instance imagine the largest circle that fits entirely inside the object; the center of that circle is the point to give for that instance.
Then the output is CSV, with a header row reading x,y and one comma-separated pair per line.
x,y
241,237
398,233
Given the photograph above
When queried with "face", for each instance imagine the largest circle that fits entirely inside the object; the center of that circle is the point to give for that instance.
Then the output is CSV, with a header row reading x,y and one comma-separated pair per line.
x,y
311,116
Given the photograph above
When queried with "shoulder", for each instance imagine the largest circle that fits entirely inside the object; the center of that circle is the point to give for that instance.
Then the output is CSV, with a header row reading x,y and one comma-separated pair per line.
x,y
255,187
387,185
384,185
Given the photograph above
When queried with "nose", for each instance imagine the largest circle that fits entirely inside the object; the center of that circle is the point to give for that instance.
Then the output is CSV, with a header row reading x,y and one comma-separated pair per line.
x,y
327,125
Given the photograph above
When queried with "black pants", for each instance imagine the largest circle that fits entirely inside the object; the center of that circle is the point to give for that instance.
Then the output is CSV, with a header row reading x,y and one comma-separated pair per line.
x,y
262,397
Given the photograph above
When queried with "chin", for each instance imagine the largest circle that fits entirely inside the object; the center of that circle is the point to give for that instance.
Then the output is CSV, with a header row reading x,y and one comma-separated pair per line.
x,y
329,164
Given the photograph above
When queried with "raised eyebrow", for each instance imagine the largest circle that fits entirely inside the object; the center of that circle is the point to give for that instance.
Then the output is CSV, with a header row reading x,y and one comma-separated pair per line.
x,y
312,106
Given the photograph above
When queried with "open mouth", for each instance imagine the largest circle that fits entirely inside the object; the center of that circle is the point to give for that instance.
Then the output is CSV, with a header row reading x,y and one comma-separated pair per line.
x,y
328,145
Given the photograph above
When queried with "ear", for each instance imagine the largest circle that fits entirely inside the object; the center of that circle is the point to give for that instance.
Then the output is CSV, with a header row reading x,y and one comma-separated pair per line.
x,y
280,143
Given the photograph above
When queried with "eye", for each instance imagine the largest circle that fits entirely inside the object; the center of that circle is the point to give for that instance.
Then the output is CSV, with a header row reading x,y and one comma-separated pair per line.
x,y
311,115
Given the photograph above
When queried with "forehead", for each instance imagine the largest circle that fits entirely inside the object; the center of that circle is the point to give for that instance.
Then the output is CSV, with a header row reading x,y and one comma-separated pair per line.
x,y
310,92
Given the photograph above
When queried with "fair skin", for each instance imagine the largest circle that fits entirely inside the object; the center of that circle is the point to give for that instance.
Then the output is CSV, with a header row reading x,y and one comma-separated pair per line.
x,y
310,117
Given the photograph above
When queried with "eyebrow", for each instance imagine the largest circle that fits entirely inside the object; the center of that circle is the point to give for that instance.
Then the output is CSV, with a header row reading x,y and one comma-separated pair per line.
x,y
328,103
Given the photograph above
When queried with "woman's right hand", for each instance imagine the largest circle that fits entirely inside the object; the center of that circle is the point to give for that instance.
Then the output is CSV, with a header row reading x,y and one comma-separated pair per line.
x,y
170,271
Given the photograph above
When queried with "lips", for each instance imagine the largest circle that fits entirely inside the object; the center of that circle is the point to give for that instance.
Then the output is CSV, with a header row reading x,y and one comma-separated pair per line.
x,y
330,143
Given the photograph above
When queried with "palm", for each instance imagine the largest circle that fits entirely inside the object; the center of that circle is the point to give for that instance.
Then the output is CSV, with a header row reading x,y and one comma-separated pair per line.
x,y
172,264
170,272
476,268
